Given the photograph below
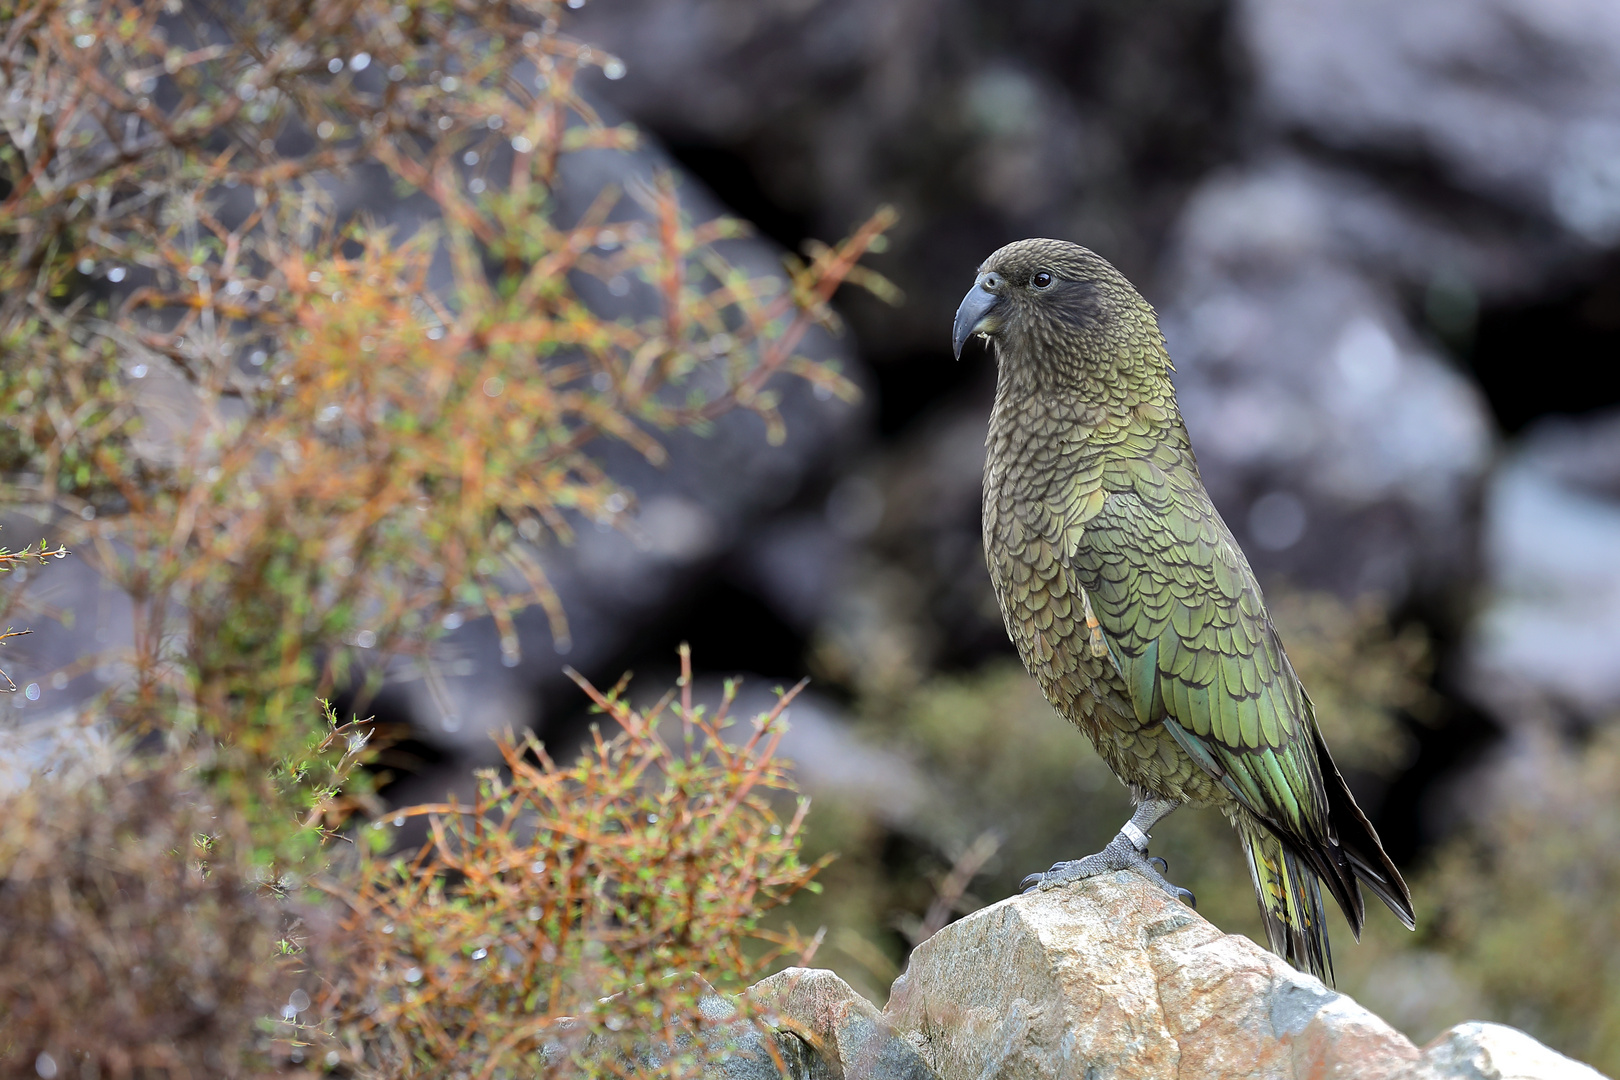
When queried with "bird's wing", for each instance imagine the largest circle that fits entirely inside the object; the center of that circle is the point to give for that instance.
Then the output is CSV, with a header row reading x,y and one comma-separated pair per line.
x,y
1187,629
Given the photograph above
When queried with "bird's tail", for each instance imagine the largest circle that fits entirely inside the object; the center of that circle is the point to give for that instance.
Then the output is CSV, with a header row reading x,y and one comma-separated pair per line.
x,y
1354,856
1290,900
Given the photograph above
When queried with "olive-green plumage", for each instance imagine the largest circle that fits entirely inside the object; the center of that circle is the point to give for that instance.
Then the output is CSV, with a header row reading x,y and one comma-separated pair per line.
x,y
1131,603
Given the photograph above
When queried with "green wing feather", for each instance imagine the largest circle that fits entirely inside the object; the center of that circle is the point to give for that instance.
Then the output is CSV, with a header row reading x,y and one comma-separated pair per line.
x,y
1179,606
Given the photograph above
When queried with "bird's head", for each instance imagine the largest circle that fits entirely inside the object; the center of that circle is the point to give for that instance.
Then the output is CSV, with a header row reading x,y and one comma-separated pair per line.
x,y
1061,314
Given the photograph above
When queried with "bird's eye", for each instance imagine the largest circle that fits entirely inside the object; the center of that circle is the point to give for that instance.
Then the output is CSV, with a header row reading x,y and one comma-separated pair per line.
x,y
1041,280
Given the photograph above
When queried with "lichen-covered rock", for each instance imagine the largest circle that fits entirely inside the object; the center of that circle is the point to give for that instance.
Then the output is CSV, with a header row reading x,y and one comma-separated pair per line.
x,y
799,1024
1480,1051
1110,978
847,1035
1113,979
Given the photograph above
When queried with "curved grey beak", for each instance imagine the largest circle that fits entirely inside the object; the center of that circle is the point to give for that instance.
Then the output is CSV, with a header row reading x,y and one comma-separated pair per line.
x,y
974,314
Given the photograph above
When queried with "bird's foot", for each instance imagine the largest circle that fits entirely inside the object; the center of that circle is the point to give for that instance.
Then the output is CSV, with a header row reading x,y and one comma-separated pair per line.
x,y
1120,854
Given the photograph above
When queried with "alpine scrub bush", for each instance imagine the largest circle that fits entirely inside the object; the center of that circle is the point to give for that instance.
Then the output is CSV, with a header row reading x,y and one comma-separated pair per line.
x,y
10,561
553,927
1522,902
131,950
302,442
258,413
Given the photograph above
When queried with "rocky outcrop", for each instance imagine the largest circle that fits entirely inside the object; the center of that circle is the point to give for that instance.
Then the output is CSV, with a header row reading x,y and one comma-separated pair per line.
x,y
1109,979
1114,979
1343,447
1547,641
1514,100
844,1032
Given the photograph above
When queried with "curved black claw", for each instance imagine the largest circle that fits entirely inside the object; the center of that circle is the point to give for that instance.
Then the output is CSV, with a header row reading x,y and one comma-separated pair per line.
x,y
1186,897
1030,882
1158,863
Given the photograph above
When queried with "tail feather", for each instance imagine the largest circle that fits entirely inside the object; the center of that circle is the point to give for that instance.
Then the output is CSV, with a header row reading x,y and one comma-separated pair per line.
x,y
1355,838
1288,872
1290,900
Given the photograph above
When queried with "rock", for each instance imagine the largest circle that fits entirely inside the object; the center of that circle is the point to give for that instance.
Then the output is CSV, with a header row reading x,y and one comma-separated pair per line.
x,y
1341,448
1285,205
1111,978
847,1034
799,1024
1481,1051
1548,639
1105,979
1114,979
1516,100
732,1047
52,723
1293,276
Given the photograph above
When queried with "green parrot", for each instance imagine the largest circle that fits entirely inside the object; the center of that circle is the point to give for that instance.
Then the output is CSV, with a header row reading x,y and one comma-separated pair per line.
x,y
1135,609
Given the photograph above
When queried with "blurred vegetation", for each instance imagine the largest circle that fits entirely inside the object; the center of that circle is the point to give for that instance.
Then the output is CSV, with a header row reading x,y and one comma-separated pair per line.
x,y
9,561
139,942
301,460
1519,914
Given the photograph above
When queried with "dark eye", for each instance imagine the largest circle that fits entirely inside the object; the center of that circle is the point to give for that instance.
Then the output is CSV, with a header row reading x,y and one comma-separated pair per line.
x,y
1041,280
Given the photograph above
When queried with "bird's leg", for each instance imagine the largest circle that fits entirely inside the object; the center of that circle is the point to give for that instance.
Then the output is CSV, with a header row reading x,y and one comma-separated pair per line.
x,y
1127,851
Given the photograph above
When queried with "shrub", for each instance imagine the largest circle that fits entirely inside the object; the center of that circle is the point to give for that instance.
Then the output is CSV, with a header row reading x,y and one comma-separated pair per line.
x,y
131,949
1518,920
260,415
10,561
301,442
554,925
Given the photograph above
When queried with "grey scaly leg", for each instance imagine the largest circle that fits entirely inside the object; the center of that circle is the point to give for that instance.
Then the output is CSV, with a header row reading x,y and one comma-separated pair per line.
x,y
1127,851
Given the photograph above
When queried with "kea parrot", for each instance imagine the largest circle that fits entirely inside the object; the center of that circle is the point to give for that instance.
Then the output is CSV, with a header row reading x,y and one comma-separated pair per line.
x,y
1134,608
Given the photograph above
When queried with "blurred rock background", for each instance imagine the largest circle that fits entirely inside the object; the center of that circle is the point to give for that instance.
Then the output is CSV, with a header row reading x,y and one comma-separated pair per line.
x,y
1384,239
